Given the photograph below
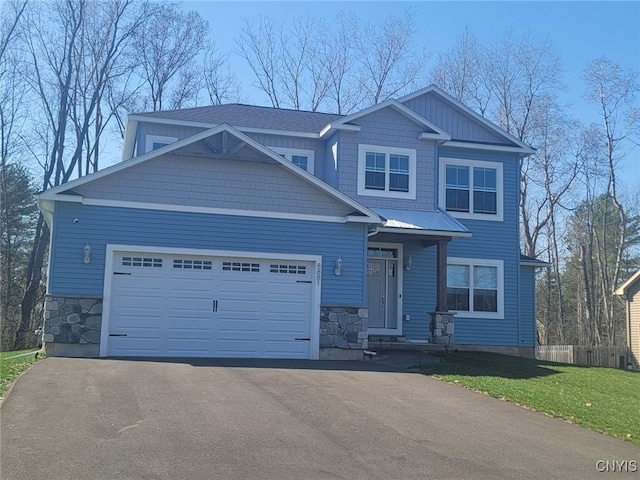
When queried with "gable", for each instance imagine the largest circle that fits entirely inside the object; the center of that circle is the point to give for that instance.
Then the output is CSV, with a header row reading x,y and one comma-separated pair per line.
x,y
461,127
298,192
194,177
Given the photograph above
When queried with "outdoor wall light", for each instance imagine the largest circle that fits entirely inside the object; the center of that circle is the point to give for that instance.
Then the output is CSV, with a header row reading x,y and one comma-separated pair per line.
x,y
87,254
407,264
338,270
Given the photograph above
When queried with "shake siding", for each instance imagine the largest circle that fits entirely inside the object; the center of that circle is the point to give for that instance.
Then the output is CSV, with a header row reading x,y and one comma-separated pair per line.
x,y
451,120
496,241
388,128
295,142
214,183
527,306
98,226
145,129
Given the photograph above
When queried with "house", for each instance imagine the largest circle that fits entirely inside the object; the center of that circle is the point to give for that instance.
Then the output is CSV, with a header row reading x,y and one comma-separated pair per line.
x,y
246,231
630,290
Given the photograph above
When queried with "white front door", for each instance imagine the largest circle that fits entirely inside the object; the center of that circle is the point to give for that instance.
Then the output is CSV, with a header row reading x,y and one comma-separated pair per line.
x,y
384,290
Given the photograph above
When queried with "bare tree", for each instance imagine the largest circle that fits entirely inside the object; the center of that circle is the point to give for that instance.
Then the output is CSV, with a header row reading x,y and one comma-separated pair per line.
x,y
73,48
613,90
460,72
167,48
221,83
389,62
336,57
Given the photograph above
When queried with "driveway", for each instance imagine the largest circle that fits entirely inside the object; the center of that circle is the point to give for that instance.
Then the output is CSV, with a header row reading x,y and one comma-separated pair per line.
x,y
116,419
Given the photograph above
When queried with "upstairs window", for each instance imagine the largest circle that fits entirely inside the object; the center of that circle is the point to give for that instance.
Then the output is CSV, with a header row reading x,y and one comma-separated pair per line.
x,y
300,158
470,189
386,172
154,142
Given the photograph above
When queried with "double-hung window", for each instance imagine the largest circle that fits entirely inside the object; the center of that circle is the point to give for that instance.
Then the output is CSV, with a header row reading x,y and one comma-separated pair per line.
x,y
386,172
471,189
301,158
475,286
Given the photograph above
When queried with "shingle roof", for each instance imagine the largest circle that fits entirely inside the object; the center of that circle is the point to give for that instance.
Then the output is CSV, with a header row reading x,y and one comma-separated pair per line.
x,y
251,116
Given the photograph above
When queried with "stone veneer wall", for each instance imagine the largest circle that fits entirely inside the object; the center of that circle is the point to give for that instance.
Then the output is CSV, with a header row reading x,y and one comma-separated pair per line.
x,y
72,320
442,328
343,332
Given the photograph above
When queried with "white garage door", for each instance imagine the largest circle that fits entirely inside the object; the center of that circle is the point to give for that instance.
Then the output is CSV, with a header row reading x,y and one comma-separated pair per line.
x,y
203,306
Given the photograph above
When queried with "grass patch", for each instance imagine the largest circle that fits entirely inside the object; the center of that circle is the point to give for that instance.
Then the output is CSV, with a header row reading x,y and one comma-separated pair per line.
x,y
12,365
606,400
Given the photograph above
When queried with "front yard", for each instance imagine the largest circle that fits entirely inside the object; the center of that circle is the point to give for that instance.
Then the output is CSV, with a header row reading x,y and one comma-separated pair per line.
x,y
12,364
606,400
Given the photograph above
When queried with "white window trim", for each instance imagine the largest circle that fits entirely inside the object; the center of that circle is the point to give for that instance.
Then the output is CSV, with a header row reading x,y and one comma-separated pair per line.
x,y
481,262
362,162
442,188
289,152
149,140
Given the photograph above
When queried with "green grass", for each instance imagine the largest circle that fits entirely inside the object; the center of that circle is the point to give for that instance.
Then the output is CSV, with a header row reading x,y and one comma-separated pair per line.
x,y
11,368
606,400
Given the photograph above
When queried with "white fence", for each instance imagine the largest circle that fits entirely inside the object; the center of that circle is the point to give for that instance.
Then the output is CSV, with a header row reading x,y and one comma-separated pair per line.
x,y
601,356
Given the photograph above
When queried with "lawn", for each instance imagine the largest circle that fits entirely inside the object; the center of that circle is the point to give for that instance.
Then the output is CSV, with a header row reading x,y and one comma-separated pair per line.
x,y
12,365
606,400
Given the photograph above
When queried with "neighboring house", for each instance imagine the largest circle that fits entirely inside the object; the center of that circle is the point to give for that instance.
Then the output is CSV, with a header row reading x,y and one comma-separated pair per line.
x,y
245,231
630,290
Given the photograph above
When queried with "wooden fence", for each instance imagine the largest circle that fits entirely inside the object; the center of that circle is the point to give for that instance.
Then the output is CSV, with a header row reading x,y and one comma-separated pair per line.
x,y
601,356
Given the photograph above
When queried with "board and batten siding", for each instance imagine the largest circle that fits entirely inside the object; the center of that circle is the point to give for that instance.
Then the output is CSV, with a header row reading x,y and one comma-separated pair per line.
x,y
493,240
633,296
452,120
215,183
99,226
388,128
527,306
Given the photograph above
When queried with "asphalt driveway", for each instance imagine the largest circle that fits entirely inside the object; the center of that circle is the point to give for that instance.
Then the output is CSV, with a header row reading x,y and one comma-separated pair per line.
x,y
116,419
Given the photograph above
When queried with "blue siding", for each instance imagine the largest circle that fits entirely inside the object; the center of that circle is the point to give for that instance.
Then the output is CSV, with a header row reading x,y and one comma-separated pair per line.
x,y
329,165
161,129
495,241
99,226
419,292
527,306
388,128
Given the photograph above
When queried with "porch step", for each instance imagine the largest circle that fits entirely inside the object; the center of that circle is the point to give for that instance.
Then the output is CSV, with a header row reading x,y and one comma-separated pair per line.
x,y
377,344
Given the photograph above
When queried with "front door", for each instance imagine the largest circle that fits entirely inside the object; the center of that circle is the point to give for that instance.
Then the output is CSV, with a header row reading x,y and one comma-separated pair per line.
x,y
383,289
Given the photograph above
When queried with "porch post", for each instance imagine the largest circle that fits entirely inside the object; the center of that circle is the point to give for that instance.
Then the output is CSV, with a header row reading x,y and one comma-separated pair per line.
x,y
441,275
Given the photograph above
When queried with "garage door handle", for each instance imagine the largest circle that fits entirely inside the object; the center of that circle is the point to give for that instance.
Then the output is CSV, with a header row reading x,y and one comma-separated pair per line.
x,y
304,339
117,334
303,281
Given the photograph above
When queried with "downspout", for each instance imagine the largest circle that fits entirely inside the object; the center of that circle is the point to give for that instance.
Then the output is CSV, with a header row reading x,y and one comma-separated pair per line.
x,y
373,232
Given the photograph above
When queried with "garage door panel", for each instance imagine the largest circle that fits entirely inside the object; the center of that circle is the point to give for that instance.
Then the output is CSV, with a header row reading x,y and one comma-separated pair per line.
x,y
210,306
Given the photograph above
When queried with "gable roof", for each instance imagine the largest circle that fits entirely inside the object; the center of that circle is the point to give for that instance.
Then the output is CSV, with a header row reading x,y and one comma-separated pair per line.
x,y
247,116
60,192
622,289
434,132
433,89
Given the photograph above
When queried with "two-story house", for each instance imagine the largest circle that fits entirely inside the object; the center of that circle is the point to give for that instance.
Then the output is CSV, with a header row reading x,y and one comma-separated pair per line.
x,y
246,231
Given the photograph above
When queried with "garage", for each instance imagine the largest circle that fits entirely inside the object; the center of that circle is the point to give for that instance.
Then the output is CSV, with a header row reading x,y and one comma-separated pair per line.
x,y
179,303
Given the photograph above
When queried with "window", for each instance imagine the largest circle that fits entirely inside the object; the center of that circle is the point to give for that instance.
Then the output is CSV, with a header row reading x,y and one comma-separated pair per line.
x,y
386,172
471,189
301,158
154,142
475,286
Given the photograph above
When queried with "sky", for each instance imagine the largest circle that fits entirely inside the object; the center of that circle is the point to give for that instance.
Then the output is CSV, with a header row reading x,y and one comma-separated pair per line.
x,y
580,31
